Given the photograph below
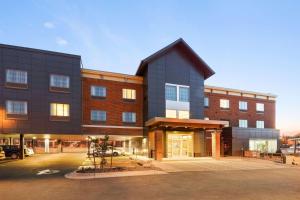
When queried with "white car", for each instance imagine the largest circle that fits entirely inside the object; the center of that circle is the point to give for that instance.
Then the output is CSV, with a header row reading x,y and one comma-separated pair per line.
x,y
109,152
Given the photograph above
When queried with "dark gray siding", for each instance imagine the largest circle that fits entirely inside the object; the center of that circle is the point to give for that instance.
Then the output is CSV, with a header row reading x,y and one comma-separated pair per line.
x,y
39,65
174,68
241,136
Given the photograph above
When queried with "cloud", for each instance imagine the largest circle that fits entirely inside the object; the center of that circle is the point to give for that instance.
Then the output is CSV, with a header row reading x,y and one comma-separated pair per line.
x,y
49,25
61,41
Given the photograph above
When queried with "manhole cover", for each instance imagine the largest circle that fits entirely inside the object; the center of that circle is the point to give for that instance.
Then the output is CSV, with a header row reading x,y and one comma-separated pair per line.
x,y
47,172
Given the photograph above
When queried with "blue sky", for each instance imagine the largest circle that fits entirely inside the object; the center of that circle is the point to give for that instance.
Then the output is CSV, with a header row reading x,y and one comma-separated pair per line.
x,y
252,45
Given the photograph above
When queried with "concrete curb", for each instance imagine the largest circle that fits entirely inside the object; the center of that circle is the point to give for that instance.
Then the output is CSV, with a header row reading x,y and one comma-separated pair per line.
x,y
80,176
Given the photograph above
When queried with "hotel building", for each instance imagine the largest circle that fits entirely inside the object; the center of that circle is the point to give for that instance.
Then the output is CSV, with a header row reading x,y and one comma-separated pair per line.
x,y
164,111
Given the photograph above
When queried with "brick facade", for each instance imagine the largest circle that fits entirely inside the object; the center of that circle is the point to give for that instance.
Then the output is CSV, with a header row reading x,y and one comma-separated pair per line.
x,y
233,114
113,104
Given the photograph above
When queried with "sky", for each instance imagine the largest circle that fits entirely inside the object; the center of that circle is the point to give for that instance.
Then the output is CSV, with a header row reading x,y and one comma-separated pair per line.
x,y
251,45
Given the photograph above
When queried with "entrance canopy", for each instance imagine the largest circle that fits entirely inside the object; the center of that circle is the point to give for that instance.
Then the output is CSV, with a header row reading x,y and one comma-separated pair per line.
x,y
157,122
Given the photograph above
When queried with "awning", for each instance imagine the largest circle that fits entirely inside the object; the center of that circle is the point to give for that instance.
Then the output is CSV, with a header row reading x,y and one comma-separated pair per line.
x,y
185,123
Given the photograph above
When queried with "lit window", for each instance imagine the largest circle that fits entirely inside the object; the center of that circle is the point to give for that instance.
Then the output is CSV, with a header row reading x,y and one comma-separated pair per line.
x,y
243,105
184,94
16,76
59,81
16,107
98,91
224,103
260,124
171,92
260,107
243,123
98,115
171,114
129,94
129,117
206,101
59,110
183,114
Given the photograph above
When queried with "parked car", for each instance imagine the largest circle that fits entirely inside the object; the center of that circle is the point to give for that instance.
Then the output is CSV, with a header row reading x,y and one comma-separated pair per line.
x,y
109,152
13,151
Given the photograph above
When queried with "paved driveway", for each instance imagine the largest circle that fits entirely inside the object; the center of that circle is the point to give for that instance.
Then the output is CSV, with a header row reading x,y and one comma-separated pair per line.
x,y
225,164
29,167
18,180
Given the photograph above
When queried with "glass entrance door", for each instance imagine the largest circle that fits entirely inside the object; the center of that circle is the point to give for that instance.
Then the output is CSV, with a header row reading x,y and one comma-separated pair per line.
x,y
180,144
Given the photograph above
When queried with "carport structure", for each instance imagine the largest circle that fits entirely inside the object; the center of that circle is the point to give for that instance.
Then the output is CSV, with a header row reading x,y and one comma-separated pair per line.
x,y
181,138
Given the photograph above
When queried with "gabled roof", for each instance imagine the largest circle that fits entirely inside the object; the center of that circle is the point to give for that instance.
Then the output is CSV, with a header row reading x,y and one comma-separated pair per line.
x,y
187,50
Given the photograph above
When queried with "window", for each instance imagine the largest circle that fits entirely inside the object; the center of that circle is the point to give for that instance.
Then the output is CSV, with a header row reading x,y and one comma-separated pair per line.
x,y
129,117
129,94
260,107
59,110
260,124
206,101
182,114
171,114
59,81
98,91
184,94
16,107
243,123
243,105
171,92
224,103
263,145
98,115
16,76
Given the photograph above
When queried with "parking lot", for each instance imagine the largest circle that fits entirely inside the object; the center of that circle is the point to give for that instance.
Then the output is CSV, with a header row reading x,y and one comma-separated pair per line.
x,y
200,179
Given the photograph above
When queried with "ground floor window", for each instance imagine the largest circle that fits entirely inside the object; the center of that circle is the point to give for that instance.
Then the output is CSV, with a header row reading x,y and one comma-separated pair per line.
x,y
263,145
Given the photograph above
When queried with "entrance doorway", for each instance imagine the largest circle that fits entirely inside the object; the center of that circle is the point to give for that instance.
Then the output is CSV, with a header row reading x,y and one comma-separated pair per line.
x,y
180,144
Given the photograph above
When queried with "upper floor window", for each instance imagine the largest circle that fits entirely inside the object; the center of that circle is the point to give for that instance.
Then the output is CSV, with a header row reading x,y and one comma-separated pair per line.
x,y
129,94
183,114
171,92
224,103
98,115
16,76
243,123
129,117
171,113
184,94
177,92
59,81
98,91
16,107
180,114
206,101
59,110
243,105
260,124
260,107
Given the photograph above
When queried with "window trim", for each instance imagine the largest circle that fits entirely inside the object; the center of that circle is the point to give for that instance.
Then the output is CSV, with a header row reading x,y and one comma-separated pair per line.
x,y
243,110
96,96
59,89
223,108
259,111
93,120
245,121
129,122
15,85
18,116
129,99
206,106
263,122
59,118
177,92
